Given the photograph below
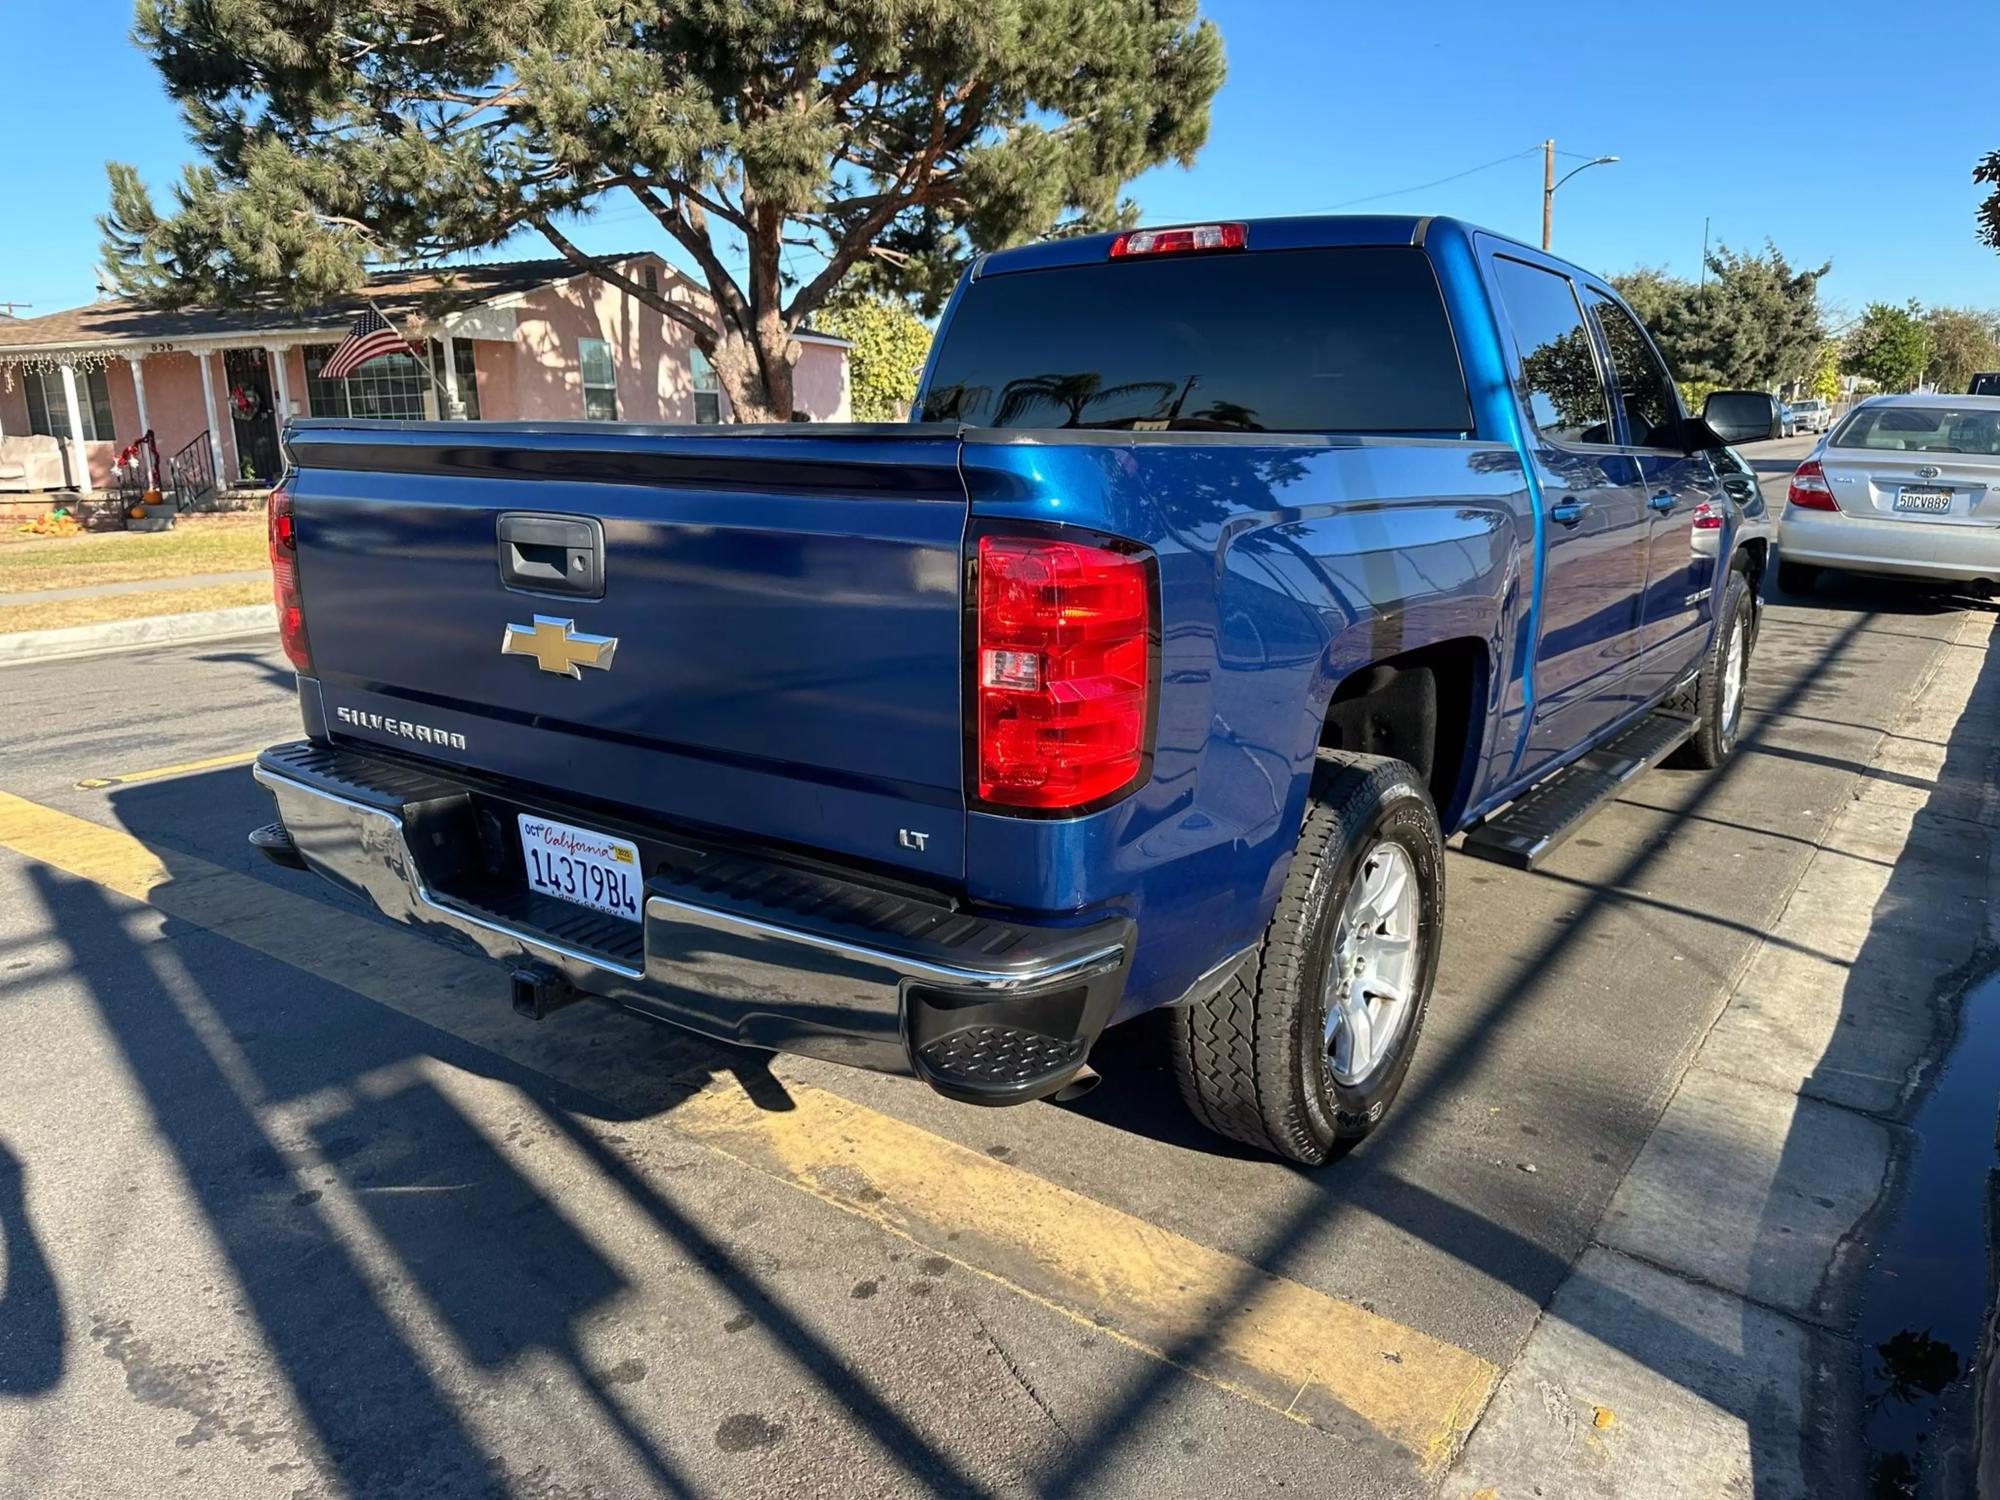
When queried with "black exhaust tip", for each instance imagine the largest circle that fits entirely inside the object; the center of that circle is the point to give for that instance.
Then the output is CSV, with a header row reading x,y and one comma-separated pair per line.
x,y
539,991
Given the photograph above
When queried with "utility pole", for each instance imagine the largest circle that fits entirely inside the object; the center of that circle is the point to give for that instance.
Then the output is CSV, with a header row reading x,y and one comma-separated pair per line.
x,y
1548,191
1704,251
7,308
1550,184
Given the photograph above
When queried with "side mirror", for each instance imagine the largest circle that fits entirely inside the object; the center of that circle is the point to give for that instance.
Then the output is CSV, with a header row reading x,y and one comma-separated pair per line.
x,y
1743,416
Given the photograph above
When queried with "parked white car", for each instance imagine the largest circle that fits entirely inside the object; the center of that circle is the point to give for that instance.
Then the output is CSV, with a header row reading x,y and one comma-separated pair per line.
x,y
1812,415
1906,486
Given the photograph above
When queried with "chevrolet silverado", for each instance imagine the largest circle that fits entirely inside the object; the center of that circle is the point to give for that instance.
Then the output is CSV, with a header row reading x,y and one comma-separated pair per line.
x,y
1224,572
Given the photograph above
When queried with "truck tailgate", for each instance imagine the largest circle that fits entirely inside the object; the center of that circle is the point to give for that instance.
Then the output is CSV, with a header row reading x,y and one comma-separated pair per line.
x,y
786,607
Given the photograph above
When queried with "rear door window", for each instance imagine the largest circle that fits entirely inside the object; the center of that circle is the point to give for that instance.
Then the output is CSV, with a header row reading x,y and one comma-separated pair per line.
x,y
1652,415
1560,377
1333,340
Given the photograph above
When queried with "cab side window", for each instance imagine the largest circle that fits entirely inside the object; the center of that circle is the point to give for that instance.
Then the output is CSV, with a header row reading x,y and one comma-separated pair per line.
x,y
1559,371
1652,415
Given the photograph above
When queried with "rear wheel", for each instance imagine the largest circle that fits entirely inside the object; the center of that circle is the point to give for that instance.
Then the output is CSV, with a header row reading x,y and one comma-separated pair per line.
x,y
1797,578
1307,1044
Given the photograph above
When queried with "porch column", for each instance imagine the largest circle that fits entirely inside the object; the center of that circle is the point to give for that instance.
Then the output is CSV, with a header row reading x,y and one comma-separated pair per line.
x,y
146,464
138,364
280,382
214,431
454,402
82,470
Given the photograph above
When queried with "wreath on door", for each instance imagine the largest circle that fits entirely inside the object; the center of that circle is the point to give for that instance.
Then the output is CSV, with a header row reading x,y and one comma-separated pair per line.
x,y
246,402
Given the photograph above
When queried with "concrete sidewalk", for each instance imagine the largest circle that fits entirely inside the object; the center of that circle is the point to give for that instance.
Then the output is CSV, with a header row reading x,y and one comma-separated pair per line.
x,y
1703,1343
133,586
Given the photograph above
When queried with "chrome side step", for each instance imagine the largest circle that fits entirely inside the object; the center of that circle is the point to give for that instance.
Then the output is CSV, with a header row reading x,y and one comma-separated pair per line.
x,y
1533,826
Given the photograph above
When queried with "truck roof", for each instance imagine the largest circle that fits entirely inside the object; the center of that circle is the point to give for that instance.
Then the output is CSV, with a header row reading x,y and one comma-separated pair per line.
x,y
1302,232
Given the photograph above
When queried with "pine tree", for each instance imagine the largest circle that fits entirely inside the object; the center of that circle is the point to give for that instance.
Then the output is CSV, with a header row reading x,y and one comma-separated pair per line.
x,y
892,137
1754,322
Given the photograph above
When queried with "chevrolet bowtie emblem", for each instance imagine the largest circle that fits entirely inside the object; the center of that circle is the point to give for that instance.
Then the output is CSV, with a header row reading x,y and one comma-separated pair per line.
x,y
558,646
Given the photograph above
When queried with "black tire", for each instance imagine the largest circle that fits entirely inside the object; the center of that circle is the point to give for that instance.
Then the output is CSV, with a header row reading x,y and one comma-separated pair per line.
x,y
1252,1060
1714,739
1797,578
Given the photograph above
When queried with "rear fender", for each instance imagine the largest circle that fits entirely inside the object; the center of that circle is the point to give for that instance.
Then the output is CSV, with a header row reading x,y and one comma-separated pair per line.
x,y
1453,575
1285,564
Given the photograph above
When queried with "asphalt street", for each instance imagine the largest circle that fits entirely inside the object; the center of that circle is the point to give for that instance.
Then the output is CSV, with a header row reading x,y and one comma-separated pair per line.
x,y
293,1205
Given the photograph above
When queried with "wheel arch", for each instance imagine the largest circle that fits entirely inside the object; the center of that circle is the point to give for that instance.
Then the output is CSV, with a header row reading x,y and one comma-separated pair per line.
x,y
1428,706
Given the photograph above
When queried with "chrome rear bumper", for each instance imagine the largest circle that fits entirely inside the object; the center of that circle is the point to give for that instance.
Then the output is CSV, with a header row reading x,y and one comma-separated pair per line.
x,y
742,950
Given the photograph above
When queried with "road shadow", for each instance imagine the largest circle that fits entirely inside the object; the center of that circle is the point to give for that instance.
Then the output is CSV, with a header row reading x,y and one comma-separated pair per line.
x,y
281,1096
33,1345
270,665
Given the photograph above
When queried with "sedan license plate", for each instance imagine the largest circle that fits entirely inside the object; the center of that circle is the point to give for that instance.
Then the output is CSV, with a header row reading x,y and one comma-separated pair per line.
x,y
1929,502
591,869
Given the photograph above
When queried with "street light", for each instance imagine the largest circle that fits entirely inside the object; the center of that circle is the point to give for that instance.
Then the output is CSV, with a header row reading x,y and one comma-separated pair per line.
x,y
1550,184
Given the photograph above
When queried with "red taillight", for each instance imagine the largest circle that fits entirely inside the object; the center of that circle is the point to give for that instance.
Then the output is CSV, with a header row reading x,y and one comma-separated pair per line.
x,y
285,581
1179,241
1809,490
1063,671
1708,516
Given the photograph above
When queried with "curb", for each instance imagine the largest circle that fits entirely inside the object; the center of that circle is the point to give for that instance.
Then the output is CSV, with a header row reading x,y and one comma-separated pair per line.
x,y
147,630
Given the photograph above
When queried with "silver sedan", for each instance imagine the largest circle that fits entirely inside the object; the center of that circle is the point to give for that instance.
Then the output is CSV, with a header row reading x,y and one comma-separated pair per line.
x,y
1906,486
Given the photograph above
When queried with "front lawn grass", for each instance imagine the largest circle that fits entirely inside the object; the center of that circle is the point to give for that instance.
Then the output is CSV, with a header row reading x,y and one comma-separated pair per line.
x,y
58,613
224,543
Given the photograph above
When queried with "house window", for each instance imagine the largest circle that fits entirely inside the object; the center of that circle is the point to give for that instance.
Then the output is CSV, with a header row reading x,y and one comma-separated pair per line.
x,y
650,280
600,380
707,389
391,387
48,411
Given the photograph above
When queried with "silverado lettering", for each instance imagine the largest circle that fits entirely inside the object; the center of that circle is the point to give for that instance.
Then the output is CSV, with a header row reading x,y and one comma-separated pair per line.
x,y
401,728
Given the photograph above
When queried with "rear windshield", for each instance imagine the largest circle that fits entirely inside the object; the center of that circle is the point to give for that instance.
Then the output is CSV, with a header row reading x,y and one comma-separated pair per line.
x,y
1921,429
1348,340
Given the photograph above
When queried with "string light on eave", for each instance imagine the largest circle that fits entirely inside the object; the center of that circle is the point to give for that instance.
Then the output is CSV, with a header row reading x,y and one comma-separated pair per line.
x,y
84,361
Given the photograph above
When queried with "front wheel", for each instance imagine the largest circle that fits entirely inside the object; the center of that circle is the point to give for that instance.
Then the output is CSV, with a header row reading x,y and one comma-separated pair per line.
x,y
1718,691
1306,1045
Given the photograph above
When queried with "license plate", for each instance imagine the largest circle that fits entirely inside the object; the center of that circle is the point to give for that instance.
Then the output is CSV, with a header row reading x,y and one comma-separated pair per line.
x,y
591,869
1928,501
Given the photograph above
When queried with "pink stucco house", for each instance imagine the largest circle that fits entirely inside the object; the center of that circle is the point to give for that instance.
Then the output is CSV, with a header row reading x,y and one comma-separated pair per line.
x,y
530,340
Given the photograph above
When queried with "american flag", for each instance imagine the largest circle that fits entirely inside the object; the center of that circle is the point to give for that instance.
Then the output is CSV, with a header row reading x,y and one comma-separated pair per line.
x,y
372,337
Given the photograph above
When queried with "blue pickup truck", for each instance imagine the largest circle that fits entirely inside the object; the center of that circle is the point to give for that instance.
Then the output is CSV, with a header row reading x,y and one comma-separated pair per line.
x,y
1225,572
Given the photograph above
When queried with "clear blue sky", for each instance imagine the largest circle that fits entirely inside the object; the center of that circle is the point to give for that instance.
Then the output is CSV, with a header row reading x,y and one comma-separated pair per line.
x,y
1843,130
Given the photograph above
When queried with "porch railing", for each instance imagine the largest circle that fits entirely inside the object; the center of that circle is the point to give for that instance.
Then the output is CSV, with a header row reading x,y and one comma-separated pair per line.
x,y
191,472
136,470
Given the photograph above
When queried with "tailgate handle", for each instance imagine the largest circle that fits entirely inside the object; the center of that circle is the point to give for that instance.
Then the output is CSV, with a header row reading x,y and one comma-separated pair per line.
x,y
552,555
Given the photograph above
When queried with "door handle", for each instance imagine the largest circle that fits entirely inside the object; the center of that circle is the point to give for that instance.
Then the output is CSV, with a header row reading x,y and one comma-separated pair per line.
x,y
552,554
1662,502
1569,512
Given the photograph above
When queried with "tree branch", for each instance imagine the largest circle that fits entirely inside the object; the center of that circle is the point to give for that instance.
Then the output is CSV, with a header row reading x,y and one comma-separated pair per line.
x,y
705,333
691,231
911,185
694,194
